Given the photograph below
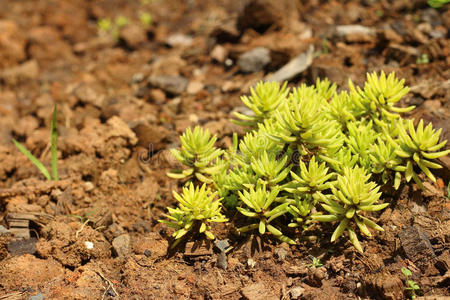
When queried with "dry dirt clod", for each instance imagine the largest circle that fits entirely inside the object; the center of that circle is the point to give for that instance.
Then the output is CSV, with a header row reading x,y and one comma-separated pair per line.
x,y
258,291
296,292
133,35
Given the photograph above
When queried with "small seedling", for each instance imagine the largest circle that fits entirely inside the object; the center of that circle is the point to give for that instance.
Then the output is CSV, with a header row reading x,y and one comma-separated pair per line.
x,y
112,27
324,45
53,150
316,263
411,286
146,18
422,59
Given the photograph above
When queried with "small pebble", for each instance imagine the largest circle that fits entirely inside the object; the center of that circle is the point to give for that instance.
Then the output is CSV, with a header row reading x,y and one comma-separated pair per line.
x,y
38,296
222,245
147,252
89,245
251,262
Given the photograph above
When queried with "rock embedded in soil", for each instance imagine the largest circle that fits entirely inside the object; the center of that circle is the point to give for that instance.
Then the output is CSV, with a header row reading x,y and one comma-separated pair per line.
x,y
416,245
171,84
22,246
222,260
121,245
254,60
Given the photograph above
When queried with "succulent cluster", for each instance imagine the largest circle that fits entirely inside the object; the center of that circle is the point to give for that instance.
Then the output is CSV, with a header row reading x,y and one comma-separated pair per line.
x,y
310,155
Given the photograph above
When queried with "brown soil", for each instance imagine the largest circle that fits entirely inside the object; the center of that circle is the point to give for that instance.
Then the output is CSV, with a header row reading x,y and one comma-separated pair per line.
x,y
123,103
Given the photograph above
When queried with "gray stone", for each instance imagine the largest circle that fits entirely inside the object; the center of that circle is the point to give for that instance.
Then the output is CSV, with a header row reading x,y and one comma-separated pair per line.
x,y
121,245
222,260
22,246
174,85
254,60
222,245
297,65
3,230
280,253
38,296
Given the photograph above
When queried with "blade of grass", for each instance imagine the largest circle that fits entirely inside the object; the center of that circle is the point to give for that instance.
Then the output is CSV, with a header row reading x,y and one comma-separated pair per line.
x,y
54,145
33,159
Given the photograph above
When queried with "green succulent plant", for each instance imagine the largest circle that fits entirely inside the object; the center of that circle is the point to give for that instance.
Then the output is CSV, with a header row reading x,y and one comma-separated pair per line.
x,y
359,140
257,204
352,196
341,109
311,180
418,147
263,101
305,126
196,210
270,170
379,96
300,210
197,153
386,162
311,154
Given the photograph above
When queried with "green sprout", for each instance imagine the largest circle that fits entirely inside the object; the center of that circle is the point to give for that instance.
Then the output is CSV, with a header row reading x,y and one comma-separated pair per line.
x,y
196,210
104,24
412,287
197,153
352,196
258,205
146,18
437,3
53,150
316,263
112,27
422,59
121,22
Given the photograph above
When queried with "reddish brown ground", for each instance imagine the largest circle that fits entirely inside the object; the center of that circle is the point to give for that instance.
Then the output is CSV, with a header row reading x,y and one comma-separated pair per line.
x,y
116,126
